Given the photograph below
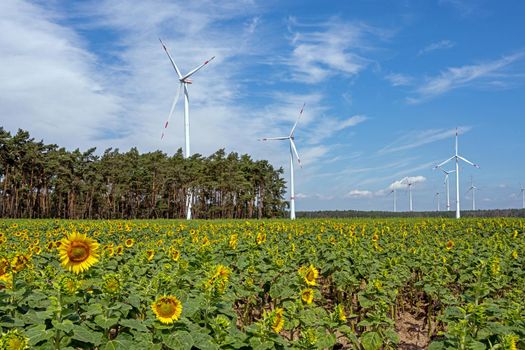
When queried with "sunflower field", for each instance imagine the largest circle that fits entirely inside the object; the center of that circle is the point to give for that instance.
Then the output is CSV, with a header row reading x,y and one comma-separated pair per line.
x,y
307,284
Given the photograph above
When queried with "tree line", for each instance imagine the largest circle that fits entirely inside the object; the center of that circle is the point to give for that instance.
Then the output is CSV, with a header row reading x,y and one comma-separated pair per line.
x,y
38,180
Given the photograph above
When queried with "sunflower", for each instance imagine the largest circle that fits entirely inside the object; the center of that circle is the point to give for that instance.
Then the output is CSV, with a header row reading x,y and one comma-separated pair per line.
x,y
19,262
340,312
233,241
14,340
69,285
78,252
277,320
150,253
261,237
4,266
112,283
167,308
310,275
129,242
450,244
307,295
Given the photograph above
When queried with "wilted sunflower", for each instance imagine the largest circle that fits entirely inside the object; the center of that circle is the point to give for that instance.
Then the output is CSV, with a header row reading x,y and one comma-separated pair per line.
x,y
167,308
450,244
78,252
14,340
307,295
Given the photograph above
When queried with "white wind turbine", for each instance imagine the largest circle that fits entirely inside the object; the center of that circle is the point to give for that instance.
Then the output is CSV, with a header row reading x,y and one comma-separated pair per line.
x,y
409,183
457,157
184,81
437,199
473,189
395,199
446,182
293,150
522,196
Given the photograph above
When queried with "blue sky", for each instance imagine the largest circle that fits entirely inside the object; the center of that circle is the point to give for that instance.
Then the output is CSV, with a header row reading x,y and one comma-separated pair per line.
x,y
385,85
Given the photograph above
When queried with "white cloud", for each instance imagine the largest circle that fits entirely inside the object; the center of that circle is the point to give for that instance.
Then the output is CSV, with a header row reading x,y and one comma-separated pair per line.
x,y
456,77
398,79
440,45
332,47
360,194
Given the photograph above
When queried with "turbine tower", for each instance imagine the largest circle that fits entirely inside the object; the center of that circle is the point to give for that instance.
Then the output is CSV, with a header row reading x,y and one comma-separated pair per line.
x,y
293,150
473,189
457,158
447,185
184,81
395,199
437,199
522,196
409,183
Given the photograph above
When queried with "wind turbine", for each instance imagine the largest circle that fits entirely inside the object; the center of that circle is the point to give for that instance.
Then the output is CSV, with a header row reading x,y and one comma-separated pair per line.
x,y
437,198
395,200
523,196
409,183
446,182
473,189
293,150
457,157
184,81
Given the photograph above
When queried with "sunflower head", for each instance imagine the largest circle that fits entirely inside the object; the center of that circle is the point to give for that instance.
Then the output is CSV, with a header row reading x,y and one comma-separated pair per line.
x,y
307,295
4,266
14,340
19,262
129,242
277,319
78,252
450,244
69,285
233,241
167,308
310,275
150,254
261,238
340,313
112,283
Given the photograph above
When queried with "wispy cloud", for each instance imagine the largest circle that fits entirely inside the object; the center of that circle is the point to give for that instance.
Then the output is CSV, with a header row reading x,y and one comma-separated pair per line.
x,y
456,77
324,49
414,139
439,45
398,79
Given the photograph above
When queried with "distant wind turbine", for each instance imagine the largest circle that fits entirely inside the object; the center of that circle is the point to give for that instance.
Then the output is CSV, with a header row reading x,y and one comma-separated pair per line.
x,y
473,189
395,200
437,199
184,81
293,150
522,196
409,183
457,157
446,182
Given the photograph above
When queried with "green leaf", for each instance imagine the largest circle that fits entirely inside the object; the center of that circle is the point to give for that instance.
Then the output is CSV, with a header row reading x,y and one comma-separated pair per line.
x,y
371,341
117,345
85,335
436,345
134,324
37,334
104,322
179,340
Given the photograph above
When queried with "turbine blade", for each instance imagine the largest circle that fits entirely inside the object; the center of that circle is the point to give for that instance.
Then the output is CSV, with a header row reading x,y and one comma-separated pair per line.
x,y
194,70
175,100
300,114
445,162
274,138
295,151
171,59
468,161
